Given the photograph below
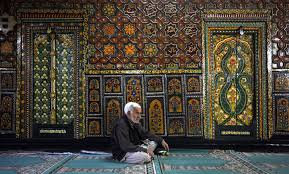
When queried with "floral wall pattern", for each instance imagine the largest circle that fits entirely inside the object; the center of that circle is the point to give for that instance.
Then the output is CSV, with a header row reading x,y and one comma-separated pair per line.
x,y
8,78
136,50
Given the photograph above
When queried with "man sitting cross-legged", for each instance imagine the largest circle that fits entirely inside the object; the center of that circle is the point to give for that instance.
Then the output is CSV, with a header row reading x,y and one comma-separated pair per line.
x,y
131,143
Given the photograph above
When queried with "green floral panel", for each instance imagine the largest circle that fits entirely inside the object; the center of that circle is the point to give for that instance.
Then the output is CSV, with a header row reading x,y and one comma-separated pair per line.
x,y
41,79
65,51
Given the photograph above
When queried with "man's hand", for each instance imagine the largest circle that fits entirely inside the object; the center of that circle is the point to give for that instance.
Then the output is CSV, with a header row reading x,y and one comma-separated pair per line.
x,y
165,145
150,151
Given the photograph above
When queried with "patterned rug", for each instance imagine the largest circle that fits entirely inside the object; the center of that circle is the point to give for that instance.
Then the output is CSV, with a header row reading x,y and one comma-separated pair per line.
x,y
12,162
266,162
101,164
193,161
222,162
66,163
202,162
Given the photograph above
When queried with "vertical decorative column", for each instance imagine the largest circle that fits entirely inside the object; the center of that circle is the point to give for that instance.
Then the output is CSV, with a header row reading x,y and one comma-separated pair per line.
x,y
53,79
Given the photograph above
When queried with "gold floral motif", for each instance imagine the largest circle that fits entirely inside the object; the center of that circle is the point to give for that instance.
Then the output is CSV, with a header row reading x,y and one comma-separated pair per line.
x,y
6,48
109,29
108,9
108,50
129,29
130,50
150,50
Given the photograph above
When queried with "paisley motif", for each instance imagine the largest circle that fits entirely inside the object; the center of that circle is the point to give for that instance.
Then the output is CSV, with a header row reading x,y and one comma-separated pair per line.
x,y
233,82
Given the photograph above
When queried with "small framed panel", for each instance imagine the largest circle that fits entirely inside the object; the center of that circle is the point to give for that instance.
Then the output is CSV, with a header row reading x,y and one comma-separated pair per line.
x,y
176,126
194,115
154,84
93,95
8,80
193,84
113,85
94,127
7,112
281,114
113,110
134,89
281,81
156,115
175,95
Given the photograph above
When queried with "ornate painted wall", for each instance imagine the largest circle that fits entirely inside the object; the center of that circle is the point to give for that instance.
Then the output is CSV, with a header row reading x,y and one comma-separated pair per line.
x,y
69,68
7,72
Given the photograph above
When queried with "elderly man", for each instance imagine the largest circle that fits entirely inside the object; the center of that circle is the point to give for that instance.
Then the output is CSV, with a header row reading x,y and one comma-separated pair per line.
x,y
131,143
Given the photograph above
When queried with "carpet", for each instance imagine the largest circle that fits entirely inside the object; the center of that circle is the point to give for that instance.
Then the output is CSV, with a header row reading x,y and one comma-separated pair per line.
x,y
12,162
180,161
101,164
201,162
266,162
